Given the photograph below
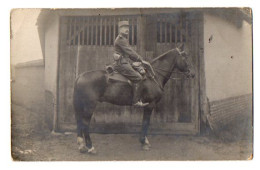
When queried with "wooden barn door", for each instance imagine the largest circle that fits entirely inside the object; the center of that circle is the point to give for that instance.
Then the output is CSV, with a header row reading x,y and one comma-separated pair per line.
x,y
86,44
178,110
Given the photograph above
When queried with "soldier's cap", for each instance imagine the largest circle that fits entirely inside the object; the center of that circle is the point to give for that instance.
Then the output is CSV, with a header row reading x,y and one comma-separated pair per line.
x,y
123,23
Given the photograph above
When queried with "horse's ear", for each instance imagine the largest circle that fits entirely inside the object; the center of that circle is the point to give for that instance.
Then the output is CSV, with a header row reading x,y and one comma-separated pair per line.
x,y
180,46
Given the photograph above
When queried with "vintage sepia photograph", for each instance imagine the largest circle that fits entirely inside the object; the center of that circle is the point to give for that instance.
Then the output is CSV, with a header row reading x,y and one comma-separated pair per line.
x,y
131,84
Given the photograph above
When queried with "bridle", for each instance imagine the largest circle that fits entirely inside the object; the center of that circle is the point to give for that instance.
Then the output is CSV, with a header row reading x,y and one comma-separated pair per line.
x,y
162,70
172,78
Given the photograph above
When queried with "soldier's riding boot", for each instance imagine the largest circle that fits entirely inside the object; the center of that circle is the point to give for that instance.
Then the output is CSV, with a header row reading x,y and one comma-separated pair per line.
x,y
136,96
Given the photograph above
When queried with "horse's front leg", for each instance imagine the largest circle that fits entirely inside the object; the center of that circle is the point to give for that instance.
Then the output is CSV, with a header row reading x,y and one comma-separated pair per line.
x,y
145,126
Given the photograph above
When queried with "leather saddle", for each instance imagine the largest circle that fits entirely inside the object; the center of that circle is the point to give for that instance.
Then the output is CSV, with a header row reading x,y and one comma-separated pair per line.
x,y
113,75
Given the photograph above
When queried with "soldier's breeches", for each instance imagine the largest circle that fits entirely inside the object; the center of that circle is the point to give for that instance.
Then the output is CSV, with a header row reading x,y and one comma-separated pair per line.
x,y
127,71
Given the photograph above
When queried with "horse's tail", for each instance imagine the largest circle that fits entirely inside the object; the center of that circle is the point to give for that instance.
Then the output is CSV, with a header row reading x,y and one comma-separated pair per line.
x,y
77,101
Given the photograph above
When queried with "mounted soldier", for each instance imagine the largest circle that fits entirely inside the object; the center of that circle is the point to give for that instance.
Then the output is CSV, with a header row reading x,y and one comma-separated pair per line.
x,y
125,57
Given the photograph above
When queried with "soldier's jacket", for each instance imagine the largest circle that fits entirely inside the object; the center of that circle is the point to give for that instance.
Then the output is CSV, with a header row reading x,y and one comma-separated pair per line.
x,y
123,48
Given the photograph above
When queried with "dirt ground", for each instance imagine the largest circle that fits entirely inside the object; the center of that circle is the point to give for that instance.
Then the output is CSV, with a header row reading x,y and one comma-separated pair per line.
x,y
63,147
28,145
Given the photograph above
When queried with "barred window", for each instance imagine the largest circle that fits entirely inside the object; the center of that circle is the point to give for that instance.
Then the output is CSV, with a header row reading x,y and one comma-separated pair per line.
x,y
172,29
100,31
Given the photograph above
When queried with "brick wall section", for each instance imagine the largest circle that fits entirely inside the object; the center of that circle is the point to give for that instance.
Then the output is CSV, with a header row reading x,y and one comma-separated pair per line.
x,y
232,116
28,97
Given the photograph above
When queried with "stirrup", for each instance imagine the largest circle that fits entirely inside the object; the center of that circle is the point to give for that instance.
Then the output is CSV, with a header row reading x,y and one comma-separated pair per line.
x,y
141,104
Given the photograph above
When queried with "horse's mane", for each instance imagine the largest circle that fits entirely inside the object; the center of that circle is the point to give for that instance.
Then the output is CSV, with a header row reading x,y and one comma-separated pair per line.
x,y
162,55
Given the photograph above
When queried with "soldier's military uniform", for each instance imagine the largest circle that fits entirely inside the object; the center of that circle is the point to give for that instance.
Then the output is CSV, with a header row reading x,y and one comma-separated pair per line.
x,y
124,57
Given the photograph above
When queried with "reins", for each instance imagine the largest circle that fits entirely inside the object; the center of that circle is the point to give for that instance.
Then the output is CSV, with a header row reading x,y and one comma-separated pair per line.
x,y
160,69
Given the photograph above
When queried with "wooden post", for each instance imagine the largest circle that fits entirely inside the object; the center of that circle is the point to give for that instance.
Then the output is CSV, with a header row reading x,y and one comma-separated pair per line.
x,y
202,79
141,35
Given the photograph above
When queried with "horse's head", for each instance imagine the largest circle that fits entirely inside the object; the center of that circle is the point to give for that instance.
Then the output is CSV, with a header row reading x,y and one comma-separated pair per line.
x,y
184,64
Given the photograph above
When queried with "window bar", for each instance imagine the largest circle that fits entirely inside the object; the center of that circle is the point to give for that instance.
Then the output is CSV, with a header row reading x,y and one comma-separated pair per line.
x,y
74,32
96,31
181,29
92,31
87,26
109,30
186,31
100,34
165,30
170,32
83,31
114,29
135,33
70,32
117,25
160,31
176,36
133,23
79,30
129,30
105,32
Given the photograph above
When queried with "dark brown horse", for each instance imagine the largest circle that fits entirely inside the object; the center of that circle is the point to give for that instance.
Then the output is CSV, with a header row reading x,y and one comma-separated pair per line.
x,y
92,87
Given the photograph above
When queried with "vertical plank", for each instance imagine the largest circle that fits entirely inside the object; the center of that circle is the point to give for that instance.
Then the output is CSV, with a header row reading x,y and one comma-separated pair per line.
x,y
202,81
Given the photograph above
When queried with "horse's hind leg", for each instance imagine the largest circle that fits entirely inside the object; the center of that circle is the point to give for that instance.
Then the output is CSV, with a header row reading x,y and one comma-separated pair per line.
x,y
83,114
85,120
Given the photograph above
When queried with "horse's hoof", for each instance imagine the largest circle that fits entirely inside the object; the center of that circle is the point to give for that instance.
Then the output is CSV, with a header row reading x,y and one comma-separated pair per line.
x,y
146,147
92,150
83,149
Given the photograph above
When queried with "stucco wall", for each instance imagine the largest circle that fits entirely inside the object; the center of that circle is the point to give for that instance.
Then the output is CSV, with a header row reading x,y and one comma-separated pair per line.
x,y
51,54
228,58
28,98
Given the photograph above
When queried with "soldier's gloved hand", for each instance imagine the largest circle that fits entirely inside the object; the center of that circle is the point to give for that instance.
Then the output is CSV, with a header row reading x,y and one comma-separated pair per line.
x,y
145,62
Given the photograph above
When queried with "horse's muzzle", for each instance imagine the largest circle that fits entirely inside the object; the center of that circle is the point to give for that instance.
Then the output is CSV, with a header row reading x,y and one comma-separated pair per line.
x,y
190,74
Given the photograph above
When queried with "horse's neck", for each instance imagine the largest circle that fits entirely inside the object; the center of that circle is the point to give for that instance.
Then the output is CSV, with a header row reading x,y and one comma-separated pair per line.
x,y
164,66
